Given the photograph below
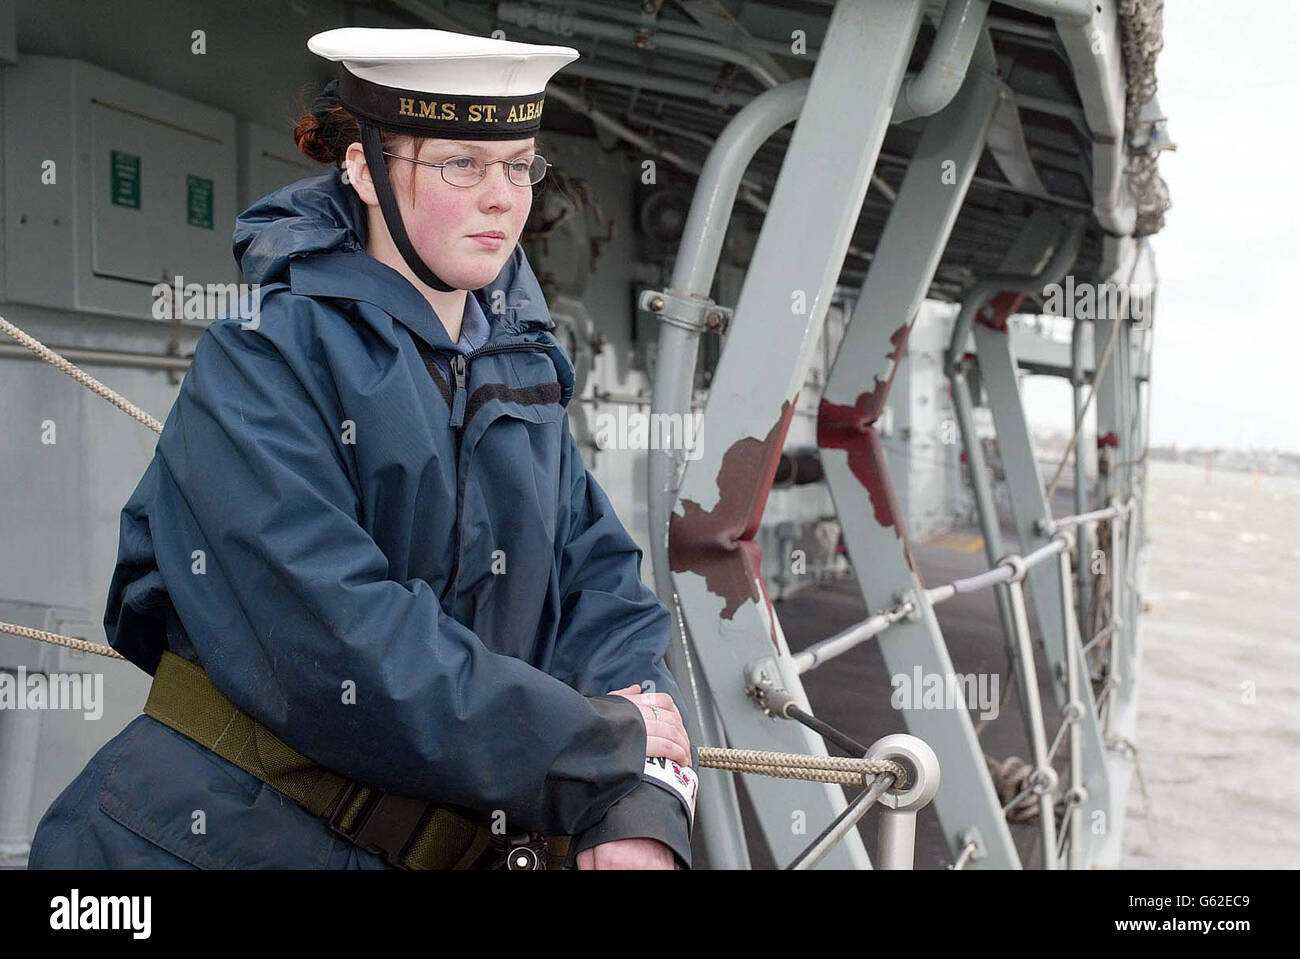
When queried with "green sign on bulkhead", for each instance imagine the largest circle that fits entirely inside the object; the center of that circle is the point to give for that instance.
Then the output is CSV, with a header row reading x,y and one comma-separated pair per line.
x,y
126,179
198,191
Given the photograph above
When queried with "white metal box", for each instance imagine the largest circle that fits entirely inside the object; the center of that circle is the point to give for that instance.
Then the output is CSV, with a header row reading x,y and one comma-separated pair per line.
x,y
111,186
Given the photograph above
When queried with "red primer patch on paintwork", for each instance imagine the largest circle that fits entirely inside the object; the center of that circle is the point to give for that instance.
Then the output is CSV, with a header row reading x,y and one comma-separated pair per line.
x,y
718,544
852,428
842,428
999,310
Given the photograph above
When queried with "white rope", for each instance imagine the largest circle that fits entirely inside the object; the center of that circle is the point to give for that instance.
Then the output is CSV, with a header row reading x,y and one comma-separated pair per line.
x,y
80,375
70,642
845,770
1083,410
1096,379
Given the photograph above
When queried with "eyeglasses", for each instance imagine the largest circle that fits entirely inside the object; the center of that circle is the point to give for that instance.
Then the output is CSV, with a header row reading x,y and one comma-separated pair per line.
x,y
468,171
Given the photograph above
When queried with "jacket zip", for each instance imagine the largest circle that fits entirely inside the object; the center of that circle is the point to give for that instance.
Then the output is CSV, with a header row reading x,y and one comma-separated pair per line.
x,y
460,377
459,369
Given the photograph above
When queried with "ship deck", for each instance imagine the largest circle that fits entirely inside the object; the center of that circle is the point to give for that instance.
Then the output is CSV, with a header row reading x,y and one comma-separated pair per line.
x,y
852,692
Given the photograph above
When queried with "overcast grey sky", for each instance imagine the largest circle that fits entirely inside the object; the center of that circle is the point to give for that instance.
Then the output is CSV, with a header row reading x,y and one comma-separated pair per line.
x,y
1226,363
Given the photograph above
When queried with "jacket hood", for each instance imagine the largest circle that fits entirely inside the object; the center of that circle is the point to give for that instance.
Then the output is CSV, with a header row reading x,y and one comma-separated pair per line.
x,y
323,215
317,226
319,214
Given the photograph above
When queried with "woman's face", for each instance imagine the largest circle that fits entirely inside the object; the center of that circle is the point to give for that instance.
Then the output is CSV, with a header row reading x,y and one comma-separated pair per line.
x,y
441,219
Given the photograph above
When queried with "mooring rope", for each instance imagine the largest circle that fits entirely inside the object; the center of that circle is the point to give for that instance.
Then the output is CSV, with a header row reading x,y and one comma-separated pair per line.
x,y
828,769
825,769
81,376
843,770
71,642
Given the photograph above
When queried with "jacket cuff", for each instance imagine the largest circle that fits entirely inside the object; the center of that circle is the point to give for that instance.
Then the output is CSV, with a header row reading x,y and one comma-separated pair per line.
x,y
647,812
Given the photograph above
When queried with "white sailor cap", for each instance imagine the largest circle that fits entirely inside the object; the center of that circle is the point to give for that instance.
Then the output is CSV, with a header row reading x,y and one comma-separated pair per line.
x,y
434,83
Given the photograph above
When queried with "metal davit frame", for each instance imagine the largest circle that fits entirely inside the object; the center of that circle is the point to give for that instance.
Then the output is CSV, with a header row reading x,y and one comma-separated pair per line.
x,y
714,577
743,686
728,649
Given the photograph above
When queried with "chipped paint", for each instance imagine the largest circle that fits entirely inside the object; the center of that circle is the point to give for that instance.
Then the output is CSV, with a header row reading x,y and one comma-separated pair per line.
x,y
995,314
852,428
844,428
718,544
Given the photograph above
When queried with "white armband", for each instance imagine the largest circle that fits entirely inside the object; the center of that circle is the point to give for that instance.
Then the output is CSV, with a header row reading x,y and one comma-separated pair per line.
x,y
679,780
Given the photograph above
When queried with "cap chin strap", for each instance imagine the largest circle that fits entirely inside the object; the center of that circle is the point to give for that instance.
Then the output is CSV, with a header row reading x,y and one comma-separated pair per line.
x,y
374,151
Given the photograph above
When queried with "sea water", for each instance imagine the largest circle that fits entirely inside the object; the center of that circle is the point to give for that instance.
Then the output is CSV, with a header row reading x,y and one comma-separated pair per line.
x,y
1218,726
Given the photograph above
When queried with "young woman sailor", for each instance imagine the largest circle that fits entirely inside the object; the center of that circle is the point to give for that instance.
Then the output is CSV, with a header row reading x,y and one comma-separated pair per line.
x,y
367,566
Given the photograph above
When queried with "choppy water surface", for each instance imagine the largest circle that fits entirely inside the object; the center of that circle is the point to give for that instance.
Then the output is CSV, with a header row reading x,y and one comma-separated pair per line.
x,y
1222,773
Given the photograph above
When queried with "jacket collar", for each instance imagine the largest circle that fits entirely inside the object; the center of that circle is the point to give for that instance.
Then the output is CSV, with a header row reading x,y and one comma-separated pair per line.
x,y
356,275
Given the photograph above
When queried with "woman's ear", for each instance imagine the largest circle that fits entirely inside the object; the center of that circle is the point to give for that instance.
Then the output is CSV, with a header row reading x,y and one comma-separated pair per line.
x,y
354,162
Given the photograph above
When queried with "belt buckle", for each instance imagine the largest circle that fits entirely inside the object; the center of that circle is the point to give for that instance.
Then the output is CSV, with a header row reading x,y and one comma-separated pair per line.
x,y
385,825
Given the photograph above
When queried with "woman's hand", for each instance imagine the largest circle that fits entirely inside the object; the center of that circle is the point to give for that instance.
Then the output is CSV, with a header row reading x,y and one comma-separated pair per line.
x,y
628,853
665,733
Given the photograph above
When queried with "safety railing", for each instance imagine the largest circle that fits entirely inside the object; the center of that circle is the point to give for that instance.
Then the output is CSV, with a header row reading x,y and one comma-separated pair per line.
x,y
1043,780
903,791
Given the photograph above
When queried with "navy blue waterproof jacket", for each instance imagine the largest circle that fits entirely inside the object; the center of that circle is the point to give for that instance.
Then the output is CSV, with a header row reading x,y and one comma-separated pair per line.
x,y
327,519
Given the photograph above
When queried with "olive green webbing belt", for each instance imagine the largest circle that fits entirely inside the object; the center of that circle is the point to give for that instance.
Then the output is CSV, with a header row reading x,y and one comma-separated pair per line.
x,y
410,833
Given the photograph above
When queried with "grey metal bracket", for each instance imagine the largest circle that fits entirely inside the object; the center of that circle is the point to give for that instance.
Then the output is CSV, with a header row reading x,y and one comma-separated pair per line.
x,y
762,681
695,313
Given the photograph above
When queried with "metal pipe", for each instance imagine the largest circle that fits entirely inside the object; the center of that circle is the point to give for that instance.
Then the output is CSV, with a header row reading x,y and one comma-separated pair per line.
x,y
925,93
973,584
1043,552
988,517
1074,707
1090,36
143,361
1077,384
967,852
940,594
896,825
703,139
984,506
566,24
1086,519
575,102
842,823
1038,735
1130,578
895,840
922,94
1116,580
697,260
1066,251
839,644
